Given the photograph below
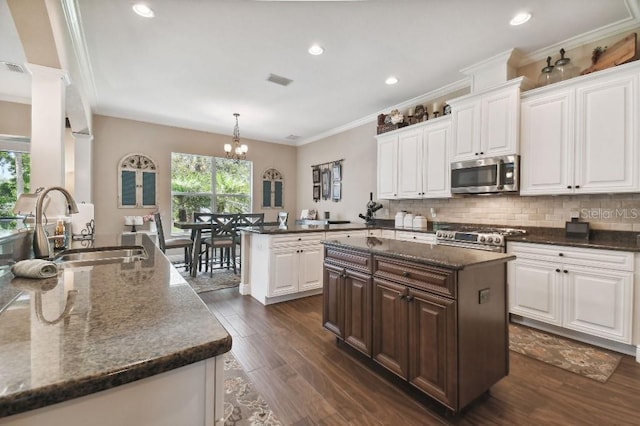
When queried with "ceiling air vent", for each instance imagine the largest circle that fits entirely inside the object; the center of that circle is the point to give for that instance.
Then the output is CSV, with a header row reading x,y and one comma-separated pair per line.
x,y
14,67
292,137
278,79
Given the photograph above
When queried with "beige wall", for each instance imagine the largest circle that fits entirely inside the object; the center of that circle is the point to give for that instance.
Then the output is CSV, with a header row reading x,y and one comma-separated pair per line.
x,y
619,212
114,138
15,119
357,148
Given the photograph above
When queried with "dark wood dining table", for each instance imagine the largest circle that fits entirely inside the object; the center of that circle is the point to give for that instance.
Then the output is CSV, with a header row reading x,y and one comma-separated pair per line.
x,y
196,235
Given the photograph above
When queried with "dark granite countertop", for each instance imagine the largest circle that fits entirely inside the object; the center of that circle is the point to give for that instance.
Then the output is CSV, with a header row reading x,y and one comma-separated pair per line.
x,y
129,321
292,229
429,254
609,240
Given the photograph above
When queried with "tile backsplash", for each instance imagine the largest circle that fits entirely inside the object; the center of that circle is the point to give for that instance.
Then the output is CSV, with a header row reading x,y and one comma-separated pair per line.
x,y
616,212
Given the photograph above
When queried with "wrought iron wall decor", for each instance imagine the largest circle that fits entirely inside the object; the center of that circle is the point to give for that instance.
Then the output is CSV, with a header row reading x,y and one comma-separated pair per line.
x,y
272,189
137,182
327,180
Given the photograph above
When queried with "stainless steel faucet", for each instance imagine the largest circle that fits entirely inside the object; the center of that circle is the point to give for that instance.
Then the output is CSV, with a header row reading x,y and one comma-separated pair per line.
x,y
41,248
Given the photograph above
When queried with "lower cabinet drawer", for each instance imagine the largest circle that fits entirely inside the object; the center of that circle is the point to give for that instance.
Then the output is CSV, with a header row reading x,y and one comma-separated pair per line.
x,y
425,277
348,259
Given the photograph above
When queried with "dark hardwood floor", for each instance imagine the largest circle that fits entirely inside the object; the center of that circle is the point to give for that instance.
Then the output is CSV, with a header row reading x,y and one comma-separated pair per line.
x,y
309,379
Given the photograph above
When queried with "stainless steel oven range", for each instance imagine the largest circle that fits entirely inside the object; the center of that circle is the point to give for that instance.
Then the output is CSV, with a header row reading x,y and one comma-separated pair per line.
x,y
478,238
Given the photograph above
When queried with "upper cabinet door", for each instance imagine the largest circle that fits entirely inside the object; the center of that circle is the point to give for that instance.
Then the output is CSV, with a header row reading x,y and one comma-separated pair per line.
x,y
410,164
547,144
607,151
436,171
466,131
499,135
388,167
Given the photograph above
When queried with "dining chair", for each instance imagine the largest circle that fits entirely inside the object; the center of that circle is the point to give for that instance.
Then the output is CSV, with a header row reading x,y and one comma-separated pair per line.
x,y
173,243
223,239
247,219
204,233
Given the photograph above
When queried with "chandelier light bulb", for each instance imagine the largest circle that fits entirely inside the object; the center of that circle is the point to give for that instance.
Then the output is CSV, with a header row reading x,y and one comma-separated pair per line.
x,y
227,147
235,150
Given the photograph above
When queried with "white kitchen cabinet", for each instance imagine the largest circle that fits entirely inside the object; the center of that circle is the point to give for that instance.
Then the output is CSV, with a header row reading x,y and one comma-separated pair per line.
x,y
286,267
486,124
422,161
586,290
388,166
417,237
388,233
581,136
336,235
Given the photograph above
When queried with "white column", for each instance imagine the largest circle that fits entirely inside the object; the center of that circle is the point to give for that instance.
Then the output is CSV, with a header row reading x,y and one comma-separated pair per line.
x,y
47,125
82,169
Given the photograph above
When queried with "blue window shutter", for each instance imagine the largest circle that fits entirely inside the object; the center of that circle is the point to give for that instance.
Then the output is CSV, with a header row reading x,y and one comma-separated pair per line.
x,y
128,188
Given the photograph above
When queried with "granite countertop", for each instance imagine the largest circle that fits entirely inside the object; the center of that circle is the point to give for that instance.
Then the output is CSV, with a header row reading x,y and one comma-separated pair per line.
x,y
129,321
608,240
429,254
292,229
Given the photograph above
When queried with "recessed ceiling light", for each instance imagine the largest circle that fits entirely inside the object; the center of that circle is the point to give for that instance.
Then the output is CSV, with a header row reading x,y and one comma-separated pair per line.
x,y
143,10
316,50
520,18
391,80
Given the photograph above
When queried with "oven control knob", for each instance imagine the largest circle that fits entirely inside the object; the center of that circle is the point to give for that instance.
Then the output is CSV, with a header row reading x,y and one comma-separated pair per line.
x,y
482,239
498,240
489,239
439,234
450,235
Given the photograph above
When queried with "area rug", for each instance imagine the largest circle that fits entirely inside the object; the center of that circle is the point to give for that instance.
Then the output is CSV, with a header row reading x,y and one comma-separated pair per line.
x,y
221,278
242,404
585,360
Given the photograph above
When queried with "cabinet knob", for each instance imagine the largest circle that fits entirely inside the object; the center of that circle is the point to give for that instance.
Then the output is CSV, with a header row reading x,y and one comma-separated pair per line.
x,y
299,238
557,269
560,254
565,271
409,298
568,186
405,274
481,153
577,186
477,153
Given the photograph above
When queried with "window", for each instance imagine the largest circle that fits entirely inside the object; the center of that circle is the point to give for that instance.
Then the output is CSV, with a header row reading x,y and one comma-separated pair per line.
x,y
14,179
203,183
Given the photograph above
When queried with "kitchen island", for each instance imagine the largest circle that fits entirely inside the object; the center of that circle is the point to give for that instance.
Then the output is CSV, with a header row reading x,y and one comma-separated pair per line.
x,y
281,263
138,347
435,316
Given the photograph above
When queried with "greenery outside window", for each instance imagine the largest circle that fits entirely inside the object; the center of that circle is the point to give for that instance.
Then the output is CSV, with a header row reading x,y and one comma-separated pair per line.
x,y
201,183
15,171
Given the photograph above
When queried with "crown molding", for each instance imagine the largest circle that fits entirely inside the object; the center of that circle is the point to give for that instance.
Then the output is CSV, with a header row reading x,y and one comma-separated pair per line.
x,y
429,96
628,24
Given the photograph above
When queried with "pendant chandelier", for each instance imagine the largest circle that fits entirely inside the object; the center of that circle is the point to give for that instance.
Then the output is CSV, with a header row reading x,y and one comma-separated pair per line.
x,y
235,150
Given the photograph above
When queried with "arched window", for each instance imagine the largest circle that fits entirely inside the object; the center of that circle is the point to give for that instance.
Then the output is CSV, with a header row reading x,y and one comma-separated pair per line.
x,y
137,182
272,189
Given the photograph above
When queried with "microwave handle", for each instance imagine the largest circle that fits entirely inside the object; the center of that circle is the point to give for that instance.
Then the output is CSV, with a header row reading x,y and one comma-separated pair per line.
x,y
500,166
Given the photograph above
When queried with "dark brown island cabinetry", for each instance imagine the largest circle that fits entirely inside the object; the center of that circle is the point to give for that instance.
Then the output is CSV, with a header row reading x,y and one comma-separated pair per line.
x,y
434,316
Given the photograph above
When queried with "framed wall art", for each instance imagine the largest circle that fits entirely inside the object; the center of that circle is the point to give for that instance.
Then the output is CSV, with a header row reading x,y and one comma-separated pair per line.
x,y
316,192
337,171
316,175
336,193
326,184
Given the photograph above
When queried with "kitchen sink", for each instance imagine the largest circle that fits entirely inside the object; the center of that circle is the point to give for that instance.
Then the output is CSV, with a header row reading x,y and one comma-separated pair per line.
x,y
100,255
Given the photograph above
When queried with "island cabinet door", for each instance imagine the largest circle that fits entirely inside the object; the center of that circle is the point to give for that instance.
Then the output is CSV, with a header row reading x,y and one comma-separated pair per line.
x,y
333,303
432,345
390,326
357,303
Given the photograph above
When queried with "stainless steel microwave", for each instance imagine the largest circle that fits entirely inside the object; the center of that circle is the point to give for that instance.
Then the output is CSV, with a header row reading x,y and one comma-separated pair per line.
x,y
486,175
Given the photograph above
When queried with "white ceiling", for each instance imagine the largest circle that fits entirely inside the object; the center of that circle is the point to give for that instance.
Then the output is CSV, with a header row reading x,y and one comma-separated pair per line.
x,y
199,61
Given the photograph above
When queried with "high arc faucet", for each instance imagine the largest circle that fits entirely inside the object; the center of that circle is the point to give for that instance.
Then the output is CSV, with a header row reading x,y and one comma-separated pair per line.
x,y
41,249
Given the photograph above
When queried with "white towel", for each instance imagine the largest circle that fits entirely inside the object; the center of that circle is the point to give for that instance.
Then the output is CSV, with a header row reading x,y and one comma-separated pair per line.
x,y
34,268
